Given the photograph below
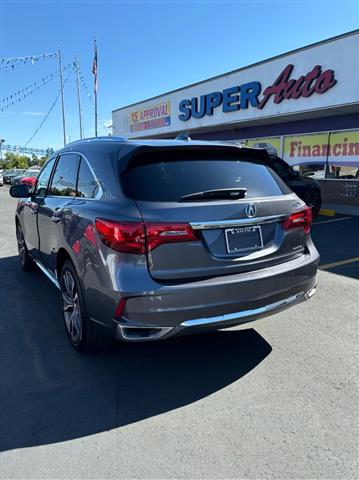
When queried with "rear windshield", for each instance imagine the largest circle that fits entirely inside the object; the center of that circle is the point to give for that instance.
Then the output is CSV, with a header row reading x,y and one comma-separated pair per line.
x,y
169,181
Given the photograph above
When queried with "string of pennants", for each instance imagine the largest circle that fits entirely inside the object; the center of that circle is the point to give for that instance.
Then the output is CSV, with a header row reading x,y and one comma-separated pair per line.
x,y
12,62
21,94
49,111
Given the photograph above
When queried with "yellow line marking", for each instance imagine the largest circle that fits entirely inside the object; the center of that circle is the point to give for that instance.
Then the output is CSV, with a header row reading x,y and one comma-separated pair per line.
x,y
333,220
327,211
337,264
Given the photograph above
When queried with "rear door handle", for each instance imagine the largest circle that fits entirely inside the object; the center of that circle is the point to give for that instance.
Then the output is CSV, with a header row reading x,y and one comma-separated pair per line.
x,y
55,219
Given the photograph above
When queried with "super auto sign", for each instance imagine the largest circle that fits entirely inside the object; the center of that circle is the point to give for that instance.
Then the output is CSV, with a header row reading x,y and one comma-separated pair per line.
x,y
241,97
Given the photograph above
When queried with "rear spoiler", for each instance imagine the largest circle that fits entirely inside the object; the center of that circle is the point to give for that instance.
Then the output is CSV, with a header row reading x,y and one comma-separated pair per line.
x,y
142,154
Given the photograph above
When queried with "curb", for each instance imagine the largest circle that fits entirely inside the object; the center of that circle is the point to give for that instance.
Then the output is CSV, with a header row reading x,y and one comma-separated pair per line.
x,y
327,212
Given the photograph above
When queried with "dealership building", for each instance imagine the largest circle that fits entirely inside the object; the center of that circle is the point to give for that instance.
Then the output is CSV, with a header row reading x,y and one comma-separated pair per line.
x,y
303,104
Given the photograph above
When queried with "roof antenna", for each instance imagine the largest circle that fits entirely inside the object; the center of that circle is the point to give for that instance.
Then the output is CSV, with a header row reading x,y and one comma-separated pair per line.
x,y
184,136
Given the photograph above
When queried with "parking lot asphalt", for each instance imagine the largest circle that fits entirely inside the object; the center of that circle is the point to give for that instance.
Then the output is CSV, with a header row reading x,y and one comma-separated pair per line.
x,y
274,399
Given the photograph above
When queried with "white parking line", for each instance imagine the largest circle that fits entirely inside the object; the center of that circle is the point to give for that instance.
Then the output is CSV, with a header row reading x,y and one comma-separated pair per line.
x,y
338,264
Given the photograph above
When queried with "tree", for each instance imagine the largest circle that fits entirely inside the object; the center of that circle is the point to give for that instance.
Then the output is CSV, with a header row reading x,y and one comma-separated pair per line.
x,y
42,160
15,160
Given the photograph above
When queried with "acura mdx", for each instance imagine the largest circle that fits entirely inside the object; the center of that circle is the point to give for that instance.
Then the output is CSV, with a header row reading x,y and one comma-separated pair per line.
x,y
154,238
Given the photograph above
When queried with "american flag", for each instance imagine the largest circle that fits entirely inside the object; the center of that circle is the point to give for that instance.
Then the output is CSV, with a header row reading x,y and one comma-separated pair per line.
x,y
94,69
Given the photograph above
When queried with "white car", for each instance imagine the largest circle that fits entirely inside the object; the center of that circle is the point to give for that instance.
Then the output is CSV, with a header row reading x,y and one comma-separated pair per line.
x,y
1,180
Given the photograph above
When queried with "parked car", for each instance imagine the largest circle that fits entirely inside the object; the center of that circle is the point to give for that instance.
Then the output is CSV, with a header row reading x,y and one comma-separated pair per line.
x,y
26,173
150,239
7,173
1,180
307,188
13,173
267,146
29,181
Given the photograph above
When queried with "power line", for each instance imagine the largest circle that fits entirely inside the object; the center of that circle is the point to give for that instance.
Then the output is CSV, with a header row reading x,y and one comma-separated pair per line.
x,y
48,112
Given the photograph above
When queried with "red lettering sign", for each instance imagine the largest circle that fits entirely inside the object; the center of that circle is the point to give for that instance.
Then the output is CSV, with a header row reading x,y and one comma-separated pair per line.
x,y
286,88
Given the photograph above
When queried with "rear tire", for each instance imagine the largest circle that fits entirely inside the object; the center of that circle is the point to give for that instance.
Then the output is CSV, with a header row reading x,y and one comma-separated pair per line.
x,y
26,261
81,331
314,200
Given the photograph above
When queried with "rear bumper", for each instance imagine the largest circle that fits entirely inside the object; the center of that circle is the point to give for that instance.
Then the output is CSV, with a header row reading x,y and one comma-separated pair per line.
x,y
142,333
219,302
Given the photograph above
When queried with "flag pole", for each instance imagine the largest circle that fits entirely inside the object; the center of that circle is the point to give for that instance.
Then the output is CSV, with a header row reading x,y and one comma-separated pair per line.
x,y
95,72
78,96
62,96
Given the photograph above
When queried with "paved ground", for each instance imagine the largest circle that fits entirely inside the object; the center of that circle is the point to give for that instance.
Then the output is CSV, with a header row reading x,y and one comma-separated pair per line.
x,y
278,399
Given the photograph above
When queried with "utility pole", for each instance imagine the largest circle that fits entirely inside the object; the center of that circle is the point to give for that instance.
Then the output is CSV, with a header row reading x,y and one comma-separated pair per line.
x,y
2,140
78,96
95,72
62,97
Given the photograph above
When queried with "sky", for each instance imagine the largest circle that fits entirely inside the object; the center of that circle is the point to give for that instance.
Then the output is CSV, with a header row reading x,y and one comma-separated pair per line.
x,y
144,49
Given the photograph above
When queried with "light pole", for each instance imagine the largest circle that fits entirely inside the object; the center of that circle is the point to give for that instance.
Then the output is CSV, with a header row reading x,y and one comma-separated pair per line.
x,y
2,140
62,97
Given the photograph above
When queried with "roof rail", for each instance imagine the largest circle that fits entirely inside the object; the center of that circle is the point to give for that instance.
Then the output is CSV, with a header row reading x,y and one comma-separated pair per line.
x,y
101,139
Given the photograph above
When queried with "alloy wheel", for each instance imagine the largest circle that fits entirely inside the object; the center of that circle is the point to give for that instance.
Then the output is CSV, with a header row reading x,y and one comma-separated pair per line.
x,y
71,307
21,244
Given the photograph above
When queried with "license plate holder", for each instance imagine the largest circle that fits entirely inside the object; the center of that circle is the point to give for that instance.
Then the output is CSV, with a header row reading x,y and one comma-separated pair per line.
x,y
240,239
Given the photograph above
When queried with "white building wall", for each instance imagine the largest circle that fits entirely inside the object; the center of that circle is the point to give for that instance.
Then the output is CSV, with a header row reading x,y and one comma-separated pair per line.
x,y
340,55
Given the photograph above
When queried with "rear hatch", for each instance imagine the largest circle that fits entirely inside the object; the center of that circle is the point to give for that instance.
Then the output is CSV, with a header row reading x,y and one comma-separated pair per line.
x,y
233,206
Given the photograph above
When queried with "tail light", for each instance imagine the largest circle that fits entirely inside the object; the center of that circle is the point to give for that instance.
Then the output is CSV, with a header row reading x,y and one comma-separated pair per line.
x,y
303,218
120,308
124,237
159,233
136,237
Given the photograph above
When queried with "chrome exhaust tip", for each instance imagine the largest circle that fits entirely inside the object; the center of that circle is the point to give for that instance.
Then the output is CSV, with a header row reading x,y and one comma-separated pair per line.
x,y
312,291
132,333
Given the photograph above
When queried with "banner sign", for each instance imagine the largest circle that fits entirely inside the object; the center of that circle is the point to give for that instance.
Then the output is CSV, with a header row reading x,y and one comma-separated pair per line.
x,y
153,117
240,97
338,147
344,148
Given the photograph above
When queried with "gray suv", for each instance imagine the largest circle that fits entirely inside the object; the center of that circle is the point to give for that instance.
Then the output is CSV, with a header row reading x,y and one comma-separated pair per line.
x,y
154,238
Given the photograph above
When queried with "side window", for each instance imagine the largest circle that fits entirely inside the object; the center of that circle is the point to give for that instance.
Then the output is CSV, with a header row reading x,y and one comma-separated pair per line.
x,y
64,179
43,178
87,185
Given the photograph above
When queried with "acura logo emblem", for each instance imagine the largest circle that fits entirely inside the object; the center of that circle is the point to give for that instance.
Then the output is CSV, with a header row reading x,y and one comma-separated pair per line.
x,y
250,210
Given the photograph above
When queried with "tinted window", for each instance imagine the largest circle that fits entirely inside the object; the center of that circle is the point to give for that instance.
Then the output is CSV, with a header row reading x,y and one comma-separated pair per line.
x,y
64,179
169,181
43,178
87,186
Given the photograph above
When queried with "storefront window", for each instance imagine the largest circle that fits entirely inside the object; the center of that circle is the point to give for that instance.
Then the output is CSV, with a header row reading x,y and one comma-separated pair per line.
x,y
328,155
343,155
307,153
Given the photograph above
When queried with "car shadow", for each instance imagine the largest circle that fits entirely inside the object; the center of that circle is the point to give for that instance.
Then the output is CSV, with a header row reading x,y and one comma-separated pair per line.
x,y
50,393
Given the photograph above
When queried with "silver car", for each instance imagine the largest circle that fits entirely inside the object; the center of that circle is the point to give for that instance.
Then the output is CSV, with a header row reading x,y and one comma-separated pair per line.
x,y
150,239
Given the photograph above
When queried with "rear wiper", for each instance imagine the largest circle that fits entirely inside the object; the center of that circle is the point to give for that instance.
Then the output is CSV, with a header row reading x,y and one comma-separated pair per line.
x,y
218,194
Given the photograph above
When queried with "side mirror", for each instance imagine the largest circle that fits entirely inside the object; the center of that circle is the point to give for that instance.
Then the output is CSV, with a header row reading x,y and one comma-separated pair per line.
x,y
20,191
